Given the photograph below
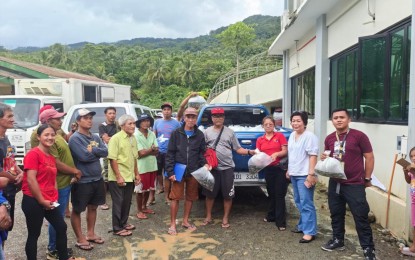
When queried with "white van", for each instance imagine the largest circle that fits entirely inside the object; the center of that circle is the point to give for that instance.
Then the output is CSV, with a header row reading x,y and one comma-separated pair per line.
x,y
122,108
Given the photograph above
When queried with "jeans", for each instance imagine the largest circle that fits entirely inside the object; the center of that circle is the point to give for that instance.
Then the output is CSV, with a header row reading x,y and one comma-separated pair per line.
x,y
63,201
35,213
277,189
355,197
304,200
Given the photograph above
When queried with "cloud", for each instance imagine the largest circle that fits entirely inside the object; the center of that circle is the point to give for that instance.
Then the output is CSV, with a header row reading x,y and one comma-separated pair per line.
x,y
44,22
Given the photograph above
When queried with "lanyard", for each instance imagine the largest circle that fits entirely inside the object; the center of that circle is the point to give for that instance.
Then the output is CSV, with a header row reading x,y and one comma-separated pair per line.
x,y
341,152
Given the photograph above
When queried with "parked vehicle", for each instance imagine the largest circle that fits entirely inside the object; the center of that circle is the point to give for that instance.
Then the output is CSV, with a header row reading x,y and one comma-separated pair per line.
x,y
245,120
122,108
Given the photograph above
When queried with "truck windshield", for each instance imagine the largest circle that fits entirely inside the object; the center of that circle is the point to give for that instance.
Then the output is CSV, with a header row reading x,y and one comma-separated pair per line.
x,y
26,111
237,116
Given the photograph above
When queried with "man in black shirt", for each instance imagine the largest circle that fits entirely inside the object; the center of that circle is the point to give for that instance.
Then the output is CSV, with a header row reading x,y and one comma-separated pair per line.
x,y
106,130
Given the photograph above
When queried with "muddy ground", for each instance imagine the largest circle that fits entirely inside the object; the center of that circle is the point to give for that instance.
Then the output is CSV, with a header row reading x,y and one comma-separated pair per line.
x,y
247,238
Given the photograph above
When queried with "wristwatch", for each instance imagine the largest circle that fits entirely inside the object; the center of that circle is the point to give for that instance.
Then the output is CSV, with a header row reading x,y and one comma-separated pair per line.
x,y
7,205
368,179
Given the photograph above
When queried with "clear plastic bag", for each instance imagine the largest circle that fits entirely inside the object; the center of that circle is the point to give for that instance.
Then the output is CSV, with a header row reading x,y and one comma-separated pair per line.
x,y
258,162
204,178
330,167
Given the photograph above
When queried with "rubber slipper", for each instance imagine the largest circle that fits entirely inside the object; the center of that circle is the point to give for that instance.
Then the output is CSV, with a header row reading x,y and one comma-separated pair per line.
x,y
172,231
123,233
159,191
97,240
206,222
225,225
104,207
281,228
406,251
141,216
189,227
148,211
84,246
129,227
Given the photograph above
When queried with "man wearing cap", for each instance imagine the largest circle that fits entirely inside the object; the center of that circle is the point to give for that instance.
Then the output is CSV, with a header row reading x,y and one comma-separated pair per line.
x,y
223,173
163,128
147,163
66,169
106,130
123,173
186,146
88,192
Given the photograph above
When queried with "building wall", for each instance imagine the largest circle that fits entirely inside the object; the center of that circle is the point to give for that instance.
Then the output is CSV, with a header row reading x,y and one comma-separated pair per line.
x,y
303,54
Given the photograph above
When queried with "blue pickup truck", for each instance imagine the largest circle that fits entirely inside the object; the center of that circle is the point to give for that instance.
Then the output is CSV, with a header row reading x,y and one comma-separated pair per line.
x,y
245,120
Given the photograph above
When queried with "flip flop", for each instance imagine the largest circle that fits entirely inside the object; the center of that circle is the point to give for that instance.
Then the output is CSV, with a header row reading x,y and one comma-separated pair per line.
x,y
406,251
148,211
206,222
97,240
189,227
159,191
104,207
129,227
123,233
226,225
141,215
84,246
172,231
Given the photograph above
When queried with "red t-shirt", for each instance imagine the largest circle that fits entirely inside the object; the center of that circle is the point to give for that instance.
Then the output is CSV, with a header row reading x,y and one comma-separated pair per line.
x,y
356,144
272,145
45,165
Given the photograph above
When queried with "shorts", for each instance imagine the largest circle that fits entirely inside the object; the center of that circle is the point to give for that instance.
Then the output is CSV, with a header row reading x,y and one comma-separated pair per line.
x,y
148,181
188,184
161,162
84,194
223,182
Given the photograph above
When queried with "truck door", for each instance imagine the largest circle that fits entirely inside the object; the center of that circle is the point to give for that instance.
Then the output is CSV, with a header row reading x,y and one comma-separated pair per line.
x,y
107,94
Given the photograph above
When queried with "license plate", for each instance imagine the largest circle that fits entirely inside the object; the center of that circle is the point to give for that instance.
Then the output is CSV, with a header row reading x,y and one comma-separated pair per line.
x,y
246,177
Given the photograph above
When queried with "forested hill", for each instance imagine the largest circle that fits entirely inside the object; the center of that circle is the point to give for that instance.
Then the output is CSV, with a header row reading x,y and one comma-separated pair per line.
x,y
158,69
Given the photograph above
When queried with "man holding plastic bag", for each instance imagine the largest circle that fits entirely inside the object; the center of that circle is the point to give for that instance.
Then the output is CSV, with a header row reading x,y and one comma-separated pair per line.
x,y
223,140
354,150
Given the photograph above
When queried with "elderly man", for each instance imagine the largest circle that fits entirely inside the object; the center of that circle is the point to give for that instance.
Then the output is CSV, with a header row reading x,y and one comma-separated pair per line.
x,y
66,170
223,173
122,154
186,146
88,192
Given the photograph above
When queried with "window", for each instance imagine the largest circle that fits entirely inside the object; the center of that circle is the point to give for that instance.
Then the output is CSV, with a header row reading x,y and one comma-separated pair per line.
x,y
236,116
90,93
303,92
371,79
98,119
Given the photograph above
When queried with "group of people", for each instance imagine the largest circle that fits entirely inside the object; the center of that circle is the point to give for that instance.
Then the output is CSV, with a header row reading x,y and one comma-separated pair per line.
x,y
62,165
351,147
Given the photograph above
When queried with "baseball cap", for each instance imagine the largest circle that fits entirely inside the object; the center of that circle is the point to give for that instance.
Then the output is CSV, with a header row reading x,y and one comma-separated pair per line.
x,y
167,104
143,117
83,112
49,114
44,108
190,111
217,111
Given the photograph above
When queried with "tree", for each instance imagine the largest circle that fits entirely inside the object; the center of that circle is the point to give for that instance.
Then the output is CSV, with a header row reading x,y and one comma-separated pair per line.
x,y
186,72
237,37
157,71
59,56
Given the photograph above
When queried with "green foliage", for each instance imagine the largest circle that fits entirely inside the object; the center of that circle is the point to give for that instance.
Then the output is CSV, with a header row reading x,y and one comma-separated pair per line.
x,y
160,70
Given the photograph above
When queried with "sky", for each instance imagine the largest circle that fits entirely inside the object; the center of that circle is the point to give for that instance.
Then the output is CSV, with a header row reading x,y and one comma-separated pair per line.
x,y
42,23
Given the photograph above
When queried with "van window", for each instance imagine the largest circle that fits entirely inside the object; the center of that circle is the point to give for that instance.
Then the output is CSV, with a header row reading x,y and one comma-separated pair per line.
x,y
138,111
98,118
237,115
90,93
26,111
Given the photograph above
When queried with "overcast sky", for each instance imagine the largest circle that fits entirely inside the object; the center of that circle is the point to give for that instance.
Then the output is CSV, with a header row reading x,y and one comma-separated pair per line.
x,y
42,23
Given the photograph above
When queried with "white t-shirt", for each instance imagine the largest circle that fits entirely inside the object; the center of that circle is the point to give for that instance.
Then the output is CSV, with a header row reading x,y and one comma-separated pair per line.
x,y
299,152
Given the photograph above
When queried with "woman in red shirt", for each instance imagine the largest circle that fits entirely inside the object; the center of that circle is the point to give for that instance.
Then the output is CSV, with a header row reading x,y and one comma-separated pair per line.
x,y
40,194
275,145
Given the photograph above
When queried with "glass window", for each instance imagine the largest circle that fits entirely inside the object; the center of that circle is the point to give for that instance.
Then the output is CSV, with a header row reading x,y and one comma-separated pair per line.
x,y
25,110
236,116
90,93
303,92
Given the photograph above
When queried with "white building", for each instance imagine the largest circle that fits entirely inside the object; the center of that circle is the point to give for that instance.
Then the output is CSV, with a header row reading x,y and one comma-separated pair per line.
x,y
355,54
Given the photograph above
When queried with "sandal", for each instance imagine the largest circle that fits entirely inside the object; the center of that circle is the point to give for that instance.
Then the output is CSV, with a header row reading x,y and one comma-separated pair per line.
x,y
159,191
172,231
97,240
141,215
406,251
104,207
123,233
148,211
84,246
225,225
281,228
206,222
189,227
129,227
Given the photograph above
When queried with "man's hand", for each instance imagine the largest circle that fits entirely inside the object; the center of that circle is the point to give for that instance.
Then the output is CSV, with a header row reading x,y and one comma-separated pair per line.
x,y
5,220
172,178
368,184
19,178
106,138
120,181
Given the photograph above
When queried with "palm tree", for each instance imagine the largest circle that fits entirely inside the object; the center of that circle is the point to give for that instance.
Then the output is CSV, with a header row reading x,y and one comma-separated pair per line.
x,y
157,71
58,55
186,71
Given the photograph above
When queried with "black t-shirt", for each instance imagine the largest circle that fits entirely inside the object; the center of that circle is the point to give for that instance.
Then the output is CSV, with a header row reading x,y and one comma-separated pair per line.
x,y
109,129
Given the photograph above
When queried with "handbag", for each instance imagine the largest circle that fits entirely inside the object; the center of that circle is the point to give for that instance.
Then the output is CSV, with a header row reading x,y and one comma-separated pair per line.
x,y
210,153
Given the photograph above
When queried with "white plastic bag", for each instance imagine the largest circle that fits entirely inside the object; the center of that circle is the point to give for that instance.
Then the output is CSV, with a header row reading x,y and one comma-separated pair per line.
x,y
204,178
258,162
138,188
330,167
